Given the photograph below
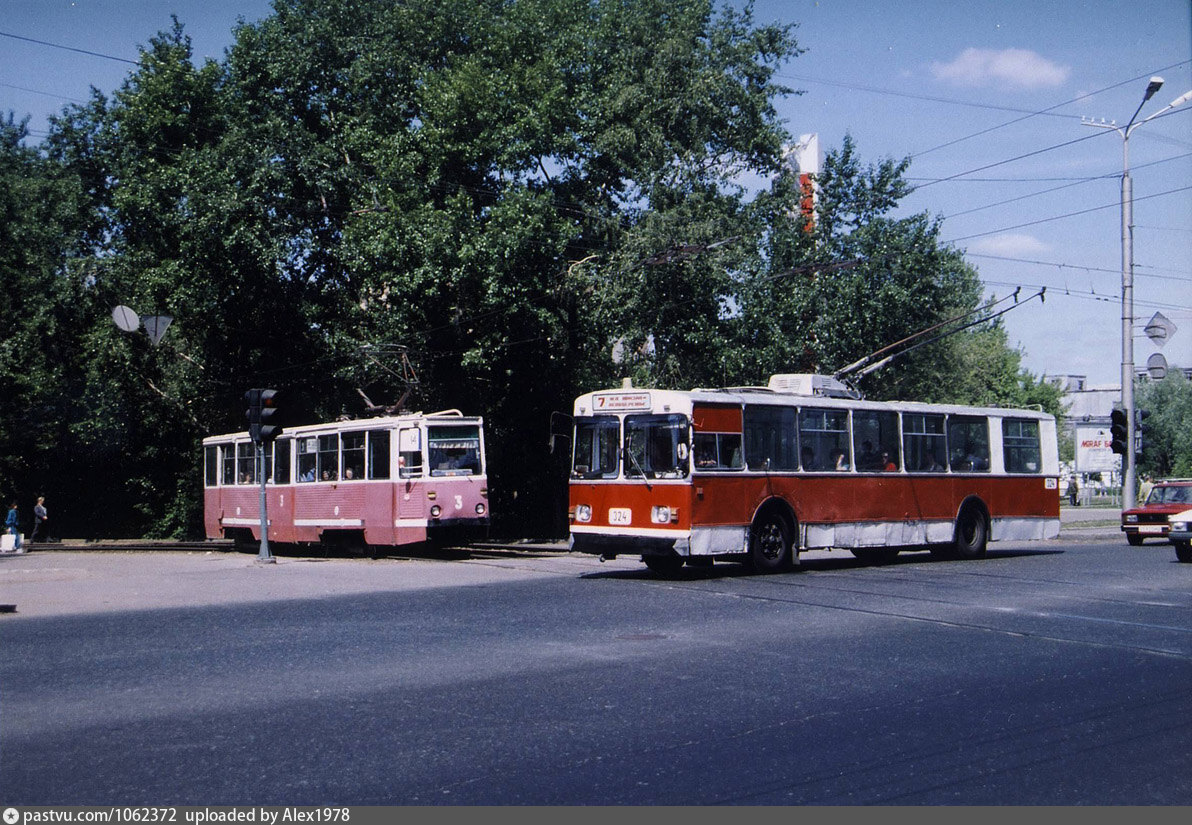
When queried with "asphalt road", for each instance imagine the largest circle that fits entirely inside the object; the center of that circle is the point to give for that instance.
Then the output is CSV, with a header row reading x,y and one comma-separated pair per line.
x,y
1049,673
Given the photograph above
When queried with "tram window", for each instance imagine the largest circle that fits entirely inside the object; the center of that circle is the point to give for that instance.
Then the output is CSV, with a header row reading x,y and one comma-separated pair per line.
x,y
923,443
718,451
968,444
328,465
1020,445
308,451
229,463
280,455
453,450
770,438
211,465
246,463
353,455
378,454
875,440
823,439
409,455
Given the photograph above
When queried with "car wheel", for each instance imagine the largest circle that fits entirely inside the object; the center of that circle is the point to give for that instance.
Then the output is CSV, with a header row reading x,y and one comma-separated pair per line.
x,y
1183,551
1134,539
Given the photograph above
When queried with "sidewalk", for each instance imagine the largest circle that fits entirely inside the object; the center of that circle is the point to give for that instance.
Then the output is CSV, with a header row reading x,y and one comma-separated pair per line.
x,y
1090,516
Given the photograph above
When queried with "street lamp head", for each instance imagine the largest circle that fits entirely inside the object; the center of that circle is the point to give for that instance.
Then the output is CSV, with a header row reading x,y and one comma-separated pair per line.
x,y
1181,100
1155,85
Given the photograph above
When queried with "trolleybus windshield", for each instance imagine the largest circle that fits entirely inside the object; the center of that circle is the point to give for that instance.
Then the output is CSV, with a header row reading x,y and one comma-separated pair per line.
x,y
656,446
596,442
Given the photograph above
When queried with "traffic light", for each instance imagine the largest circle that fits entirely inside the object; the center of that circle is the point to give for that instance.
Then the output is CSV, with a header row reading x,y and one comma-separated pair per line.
x,y
1140,428
1119,431
263,414
270,415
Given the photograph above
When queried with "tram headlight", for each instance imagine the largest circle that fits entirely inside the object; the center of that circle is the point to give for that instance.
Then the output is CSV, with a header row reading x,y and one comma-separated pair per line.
x,y
480,509
583,513
436,511
660,514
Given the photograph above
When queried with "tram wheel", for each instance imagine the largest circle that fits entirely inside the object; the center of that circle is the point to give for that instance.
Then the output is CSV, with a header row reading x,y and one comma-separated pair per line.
x,y
770,544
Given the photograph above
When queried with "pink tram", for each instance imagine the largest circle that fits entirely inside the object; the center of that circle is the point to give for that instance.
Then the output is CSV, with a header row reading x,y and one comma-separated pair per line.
x,y
361,485
759,474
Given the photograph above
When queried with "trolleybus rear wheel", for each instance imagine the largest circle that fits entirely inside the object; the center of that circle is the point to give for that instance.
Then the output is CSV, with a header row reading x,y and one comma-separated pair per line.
x,y
971,534
770,544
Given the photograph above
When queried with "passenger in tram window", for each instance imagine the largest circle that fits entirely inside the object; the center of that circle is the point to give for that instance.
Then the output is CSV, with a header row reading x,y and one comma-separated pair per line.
x,y
869,459
887,463
839,460
347,473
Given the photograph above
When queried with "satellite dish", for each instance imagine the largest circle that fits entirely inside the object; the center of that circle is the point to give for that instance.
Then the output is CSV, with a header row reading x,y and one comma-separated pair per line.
x,y
125,318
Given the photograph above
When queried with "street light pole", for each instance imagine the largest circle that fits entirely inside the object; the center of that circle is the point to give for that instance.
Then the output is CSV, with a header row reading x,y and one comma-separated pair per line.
x,y
1129,494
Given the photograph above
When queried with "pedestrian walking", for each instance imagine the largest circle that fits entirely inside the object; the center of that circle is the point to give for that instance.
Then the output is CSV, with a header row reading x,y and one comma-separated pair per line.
x,y
13,524
40,531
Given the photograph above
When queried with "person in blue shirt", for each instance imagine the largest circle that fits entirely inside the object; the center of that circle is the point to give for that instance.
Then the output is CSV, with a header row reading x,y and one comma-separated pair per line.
x,y
13,525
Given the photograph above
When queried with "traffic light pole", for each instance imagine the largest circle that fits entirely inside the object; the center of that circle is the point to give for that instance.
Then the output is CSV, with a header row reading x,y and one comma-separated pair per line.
x,y
264,556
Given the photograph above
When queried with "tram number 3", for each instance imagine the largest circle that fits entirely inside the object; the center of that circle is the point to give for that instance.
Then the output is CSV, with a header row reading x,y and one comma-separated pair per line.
x,y
620,516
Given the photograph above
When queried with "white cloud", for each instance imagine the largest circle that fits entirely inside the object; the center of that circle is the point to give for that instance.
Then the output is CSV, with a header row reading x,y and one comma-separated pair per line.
x,y
1010,246
1019,68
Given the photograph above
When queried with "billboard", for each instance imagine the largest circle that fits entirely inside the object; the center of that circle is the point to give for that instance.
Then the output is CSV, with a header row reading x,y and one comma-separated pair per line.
x,y
1093,453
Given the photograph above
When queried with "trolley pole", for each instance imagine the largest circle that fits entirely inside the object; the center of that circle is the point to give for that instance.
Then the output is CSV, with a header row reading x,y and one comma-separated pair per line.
x,y
264,556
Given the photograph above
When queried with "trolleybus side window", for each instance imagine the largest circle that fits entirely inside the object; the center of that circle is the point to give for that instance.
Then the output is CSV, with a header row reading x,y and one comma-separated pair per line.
x,y
718,451
875,440
656,446
1020,445
409,456
279,452
968,443
596,443
924,444
246,463
823,439
353,456
211,465
454,451
770,438
378,454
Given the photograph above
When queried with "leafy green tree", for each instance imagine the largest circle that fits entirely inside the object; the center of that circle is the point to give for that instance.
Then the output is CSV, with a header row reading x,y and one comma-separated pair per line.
x,y
1167,444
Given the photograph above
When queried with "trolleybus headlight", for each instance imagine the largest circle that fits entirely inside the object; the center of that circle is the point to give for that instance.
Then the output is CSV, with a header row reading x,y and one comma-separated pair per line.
x,y
480,509
660,514
583,512
435,511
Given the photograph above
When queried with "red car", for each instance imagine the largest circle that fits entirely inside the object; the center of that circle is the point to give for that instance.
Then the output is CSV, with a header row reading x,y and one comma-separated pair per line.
x,y
1150,520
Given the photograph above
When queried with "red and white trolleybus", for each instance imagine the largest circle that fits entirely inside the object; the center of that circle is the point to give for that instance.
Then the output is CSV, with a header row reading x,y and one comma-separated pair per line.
x,y
762,473
363,484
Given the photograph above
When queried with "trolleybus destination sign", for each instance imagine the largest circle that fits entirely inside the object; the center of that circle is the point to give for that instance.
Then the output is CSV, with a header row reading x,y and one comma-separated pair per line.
x,y
613,401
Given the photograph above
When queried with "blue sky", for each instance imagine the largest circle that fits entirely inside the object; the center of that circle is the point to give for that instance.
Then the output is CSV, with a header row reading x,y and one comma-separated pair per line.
x,y
987,98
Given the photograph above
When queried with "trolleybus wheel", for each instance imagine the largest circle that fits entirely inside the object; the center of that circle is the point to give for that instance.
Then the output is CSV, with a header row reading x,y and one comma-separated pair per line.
x,y
1183,551
971,534
668,565
770,544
